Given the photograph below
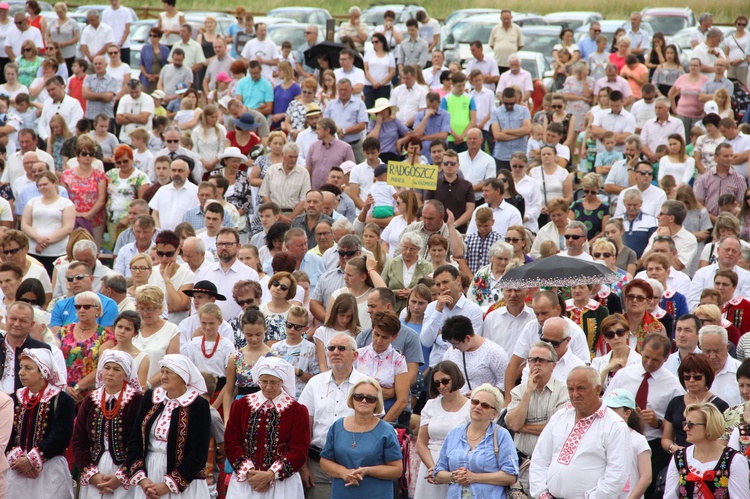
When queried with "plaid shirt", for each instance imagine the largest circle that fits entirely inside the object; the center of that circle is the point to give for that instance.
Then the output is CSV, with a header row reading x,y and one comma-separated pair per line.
x,y
100,86
478,249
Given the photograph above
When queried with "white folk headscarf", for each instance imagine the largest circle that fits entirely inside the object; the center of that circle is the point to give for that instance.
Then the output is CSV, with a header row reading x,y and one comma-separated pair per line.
x,y
185,369
278,368
42,357
123,360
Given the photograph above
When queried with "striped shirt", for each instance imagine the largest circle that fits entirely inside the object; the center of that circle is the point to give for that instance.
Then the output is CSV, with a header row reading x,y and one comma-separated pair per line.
x,y
542,406
711,185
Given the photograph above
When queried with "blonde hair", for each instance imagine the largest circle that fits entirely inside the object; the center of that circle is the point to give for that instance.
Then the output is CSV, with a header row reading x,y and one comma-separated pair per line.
x,y
59,120
486,387
711,417
151,296
727,100
209,110
210,309
285,69
142,256
366,381
591,181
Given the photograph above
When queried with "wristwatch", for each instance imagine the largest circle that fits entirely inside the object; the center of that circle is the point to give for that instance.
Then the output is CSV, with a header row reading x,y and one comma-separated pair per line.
x,y
299,372
659,424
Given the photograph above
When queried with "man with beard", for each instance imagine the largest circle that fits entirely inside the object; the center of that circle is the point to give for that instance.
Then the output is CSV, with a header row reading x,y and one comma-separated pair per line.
x,y
227,271
172,201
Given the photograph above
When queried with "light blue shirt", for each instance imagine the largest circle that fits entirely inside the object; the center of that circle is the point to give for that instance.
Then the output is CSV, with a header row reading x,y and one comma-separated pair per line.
x,y
347,115
313,265
586,46
64,312
508,120
254,93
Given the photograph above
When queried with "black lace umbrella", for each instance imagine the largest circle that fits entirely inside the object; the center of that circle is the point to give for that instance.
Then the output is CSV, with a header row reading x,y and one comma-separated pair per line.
x,y
557,271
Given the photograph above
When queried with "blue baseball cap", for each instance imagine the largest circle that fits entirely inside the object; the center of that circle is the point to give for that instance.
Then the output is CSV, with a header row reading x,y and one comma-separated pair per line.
x,y
181,88
620,398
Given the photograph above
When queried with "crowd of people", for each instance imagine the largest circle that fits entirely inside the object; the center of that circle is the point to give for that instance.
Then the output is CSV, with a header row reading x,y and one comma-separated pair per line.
x,y
211,288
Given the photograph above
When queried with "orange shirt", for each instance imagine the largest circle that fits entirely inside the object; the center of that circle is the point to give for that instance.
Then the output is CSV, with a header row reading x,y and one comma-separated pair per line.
x,y
633,76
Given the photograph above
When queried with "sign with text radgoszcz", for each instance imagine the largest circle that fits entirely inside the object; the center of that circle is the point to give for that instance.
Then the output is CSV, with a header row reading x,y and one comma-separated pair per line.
x,y
415,176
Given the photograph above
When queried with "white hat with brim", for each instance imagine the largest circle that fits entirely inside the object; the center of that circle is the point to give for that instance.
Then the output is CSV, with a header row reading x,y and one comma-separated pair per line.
x,y
382,104
232,152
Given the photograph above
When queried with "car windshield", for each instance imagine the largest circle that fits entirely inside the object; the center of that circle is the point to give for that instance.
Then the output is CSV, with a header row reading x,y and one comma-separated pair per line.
x,y
295,36
300,16
669,25
140,32
373,17
468,32
540,43
530,66
573,24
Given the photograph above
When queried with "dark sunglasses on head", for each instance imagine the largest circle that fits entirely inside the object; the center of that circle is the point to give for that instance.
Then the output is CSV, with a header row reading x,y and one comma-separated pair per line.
x,y
347,253
573,236
79,306
602,255
443,382
695,377
611,334
333,348
296,327
483,405
77,277
370,399
553,342
277,284
168,254
249,301
11,251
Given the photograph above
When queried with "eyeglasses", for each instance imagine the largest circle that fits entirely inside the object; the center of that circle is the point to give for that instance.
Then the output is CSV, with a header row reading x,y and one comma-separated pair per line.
x,y
78,277
611,334
513,240
324,234
79,306
168,254
573,237
741,24
113,53
591,191
689,424
695,377
27,300
172,141
140,269
347,253
309,32
636,298
18,23
277,284
370,399
602,255
149,310
483,405
122,162
705,321
645,172
449,163
596,31
553,342
443,382
153,36
11,251
225,245
375,41
539,360
518,167
296,327
28,50
333,348
242,303
85,154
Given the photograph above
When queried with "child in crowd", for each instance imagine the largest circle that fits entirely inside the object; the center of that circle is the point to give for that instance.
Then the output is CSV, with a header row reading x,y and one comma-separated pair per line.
x,y
485,101
544,111
269,215
384,195
728,204
187,117
159,109
695,132
287,54
462,110
608,157
143,159
28,111
661,151
223,80
669,186
75,83
58,134
156,142
535,143
296,350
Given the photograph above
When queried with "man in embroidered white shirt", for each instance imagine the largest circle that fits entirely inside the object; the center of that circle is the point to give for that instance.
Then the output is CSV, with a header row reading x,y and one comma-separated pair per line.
x,y
579,453
715,346
654,387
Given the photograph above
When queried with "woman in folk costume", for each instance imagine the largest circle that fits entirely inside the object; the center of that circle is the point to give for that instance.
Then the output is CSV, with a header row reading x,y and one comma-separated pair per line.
x,y
267,436
103,426
168,452
42,427
589,314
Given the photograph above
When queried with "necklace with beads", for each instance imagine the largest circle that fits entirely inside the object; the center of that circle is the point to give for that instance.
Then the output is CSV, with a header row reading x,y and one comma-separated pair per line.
x,y
110,414
203,347
30,402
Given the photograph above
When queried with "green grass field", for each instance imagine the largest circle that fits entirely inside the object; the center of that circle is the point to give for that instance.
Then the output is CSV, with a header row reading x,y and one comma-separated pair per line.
x,y
724,11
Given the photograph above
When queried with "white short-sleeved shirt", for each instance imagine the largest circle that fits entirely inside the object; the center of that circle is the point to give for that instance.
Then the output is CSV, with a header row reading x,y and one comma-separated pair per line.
x,y
118,19
379,66
172,203
362,175
265,49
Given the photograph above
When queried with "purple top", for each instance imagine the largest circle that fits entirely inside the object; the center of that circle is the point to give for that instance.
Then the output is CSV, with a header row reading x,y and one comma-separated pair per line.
x,y
390,132
282,98
320,159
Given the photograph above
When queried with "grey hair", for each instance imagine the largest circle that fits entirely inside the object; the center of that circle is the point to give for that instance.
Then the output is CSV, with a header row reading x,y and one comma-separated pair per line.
x,y
499,248
172,128
714,32
197,242
514,57
664,100
91,297
486,387
656,286
115,282
580,66
635,139
711,329
546,346
351,342
413,238
290,148
705,17
591,373
632,194
354,10
350,241
342,223
575,224
86,244
92,12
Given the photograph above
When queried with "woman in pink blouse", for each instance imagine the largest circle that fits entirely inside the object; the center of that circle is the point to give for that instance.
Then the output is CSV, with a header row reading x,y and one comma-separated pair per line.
x,y
688,86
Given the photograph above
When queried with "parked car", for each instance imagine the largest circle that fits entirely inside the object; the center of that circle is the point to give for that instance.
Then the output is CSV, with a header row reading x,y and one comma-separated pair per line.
x,y
303,15
295,33
539,67
669,20
573,20
373,15
99,8
17,6
541,39
609,26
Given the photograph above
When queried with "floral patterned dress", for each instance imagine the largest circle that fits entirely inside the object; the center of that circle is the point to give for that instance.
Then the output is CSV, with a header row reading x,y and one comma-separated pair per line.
x,y
482,291
122,191
81,357
578,108
84,191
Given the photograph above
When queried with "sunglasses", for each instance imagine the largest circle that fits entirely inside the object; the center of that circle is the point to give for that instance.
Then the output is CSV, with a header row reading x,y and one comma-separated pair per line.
x,y
645,172
172,141
112,53
139,269
333,348
573,236
277,284
694,377
370,399
122,162
168,254
689,424
27,300
611,334
443,382
602,255
539,360
518,167
742,24
347,253
11,251
78,277
242,303
636,298
587,191
85,307
154,36
513,240
449,163
28,50
483,405
556,106
85,154
553,342
296,327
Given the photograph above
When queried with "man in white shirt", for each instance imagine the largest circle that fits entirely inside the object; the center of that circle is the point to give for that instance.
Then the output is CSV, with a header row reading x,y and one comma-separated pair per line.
x,y
27,141
60,103
580,451
516,76
654,132
698,35
487,66
19,33
556,332
325,397
170,203
715,346
653,197
96,37
119,19
686,339
643,109
615,119
136,110
529,188
504,214
740,145
654,387
203,292
476,165
727,257
362,175
347,70
670,219
409,97
575,240
309,135
640,40
504,325
708,51
675,279
263,50
432,74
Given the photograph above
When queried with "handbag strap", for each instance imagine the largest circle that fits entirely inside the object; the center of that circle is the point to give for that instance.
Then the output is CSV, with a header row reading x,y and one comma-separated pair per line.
x,y
466,372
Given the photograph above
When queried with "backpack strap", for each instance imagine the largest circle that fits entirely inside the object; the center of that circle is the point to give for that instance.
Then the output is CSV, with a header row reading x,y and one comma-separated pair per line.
x,y
496,445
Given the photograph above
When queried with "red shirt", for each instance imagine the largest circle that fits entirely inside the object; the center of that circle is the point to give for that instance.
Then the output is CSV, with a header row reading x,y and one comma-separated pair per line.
x,y
75,89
